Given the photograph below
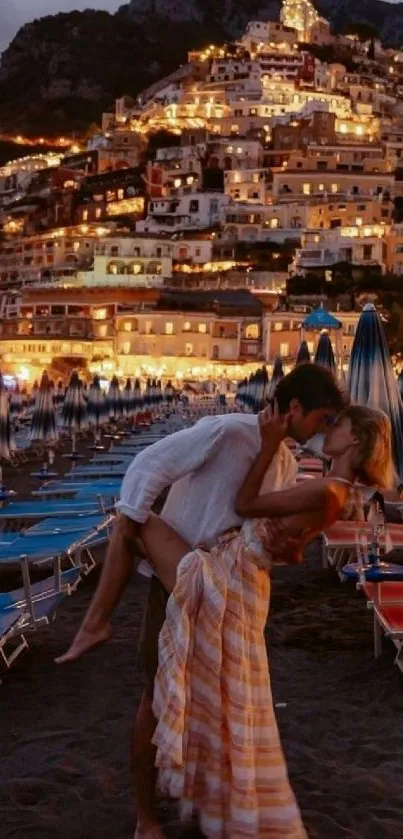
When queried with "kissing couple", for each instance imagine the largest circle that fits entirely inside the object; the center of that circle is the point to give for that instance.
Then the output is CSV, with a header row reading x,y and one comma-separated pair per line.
x,y
206,720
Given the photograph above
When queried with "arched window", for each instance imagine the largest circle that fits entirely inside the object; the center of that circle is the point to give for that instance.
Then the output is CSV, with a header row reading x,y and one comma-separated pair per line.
x,y
136,268
154,267
252,331
115,268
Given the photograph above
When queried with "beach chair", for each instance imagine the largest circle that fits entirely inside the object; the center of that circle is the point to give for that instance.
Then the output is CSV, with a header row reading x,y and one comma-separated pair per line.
x,y
103,488
117,471
385,600
113,458
34,510
311,465
29,608
44,548
71,524
341,539
12,639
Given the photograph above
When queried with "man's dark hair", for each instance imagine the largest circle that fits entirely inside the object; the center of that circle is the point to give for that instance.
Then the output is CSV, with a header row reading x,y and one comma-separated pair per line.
x,y
313,385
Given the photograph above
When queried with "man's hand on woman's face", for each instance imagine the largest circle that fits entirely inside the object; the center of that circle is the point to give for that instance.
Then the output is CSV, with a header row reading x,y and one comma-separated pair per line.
x,y
273,427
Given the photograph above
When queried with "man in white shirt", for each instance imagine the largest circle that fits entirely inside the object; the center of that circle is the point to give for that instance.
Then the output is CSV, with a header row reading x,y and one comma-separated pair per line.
x,y
205,466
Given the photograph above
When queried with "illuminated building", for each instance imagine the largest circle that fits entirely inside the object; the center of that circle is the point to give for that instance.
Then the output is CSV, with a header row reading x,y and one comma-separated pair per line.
x,y
300,15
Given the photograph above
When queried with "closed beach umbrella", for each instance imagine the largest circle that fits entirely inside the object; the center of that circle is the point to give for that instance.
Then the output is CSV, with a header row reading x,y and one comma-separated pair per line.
x,y
154,394
169,393
147,397
371,379
58,394
278,374
400,383
33,394
303,355
324,352
137,397
43,424
7,444
159,393
16,403
240,393
74,412
128,400
96,407
251,393
261,386
114,400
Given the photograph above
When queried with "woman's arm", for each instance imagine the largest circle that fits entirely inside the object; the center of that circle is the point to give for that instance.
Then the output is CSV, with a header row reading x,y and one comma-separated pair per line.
x,y
315,496
310,495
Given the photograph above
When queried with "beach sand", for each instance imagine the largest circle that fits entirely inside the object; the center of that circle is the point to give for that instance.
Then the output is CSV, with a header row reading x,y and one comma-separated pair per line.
x,y
65,731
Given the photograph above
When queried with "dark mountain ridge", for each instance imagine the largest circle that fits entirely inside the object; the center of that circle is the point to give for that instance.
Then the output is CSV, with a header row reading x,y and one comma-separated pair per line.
x,y
61,72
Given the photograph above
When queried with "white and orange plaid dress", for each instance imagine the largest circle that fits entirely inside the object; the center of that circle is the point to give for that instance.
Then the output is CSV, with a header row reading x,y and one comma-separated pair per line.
x,y
218,746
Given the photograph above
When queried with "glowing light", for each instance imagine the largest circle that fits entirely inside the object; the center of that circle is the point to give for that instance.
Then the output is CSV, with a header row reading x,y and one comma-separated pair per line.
x,y
24,374
300,15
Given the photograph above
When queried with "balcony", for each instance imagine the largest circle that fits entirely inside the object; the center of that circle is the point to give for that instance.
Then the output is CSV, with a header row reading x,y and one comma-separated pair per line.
x,y
250,348
59,327
225,336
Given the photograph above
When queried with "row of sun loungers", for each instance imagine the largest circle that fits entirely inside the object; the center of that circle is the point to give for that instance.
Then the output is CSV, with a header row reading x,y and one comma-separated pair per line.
x,y
341,545
65,521
60,527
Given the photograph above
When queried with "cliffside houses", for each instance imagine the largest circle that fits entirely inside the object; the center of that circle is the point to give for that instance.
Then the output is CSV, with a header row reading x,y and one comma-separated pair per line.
x,y
166,241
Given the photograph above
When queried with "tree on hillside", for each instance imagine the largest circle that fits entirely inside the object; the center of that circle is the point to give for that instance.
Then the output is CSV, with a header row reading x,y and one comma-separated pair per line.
x,y
364,31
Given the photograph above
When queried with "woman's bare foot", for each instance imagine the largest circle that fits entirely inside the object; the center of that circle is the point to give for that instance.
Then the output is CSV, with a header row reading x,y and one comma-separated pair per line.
x,y
149,830
84,641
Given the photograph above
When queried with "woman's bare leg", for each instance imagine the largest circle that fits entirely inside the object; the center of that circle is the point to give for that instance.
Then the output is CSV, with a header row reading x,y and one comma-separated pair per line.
x,y
164,548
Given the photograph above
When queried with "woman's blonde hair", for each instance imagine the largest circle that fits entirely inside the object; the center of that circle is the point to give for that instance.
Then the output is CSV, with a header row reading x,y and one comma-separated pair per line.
x,y
373,459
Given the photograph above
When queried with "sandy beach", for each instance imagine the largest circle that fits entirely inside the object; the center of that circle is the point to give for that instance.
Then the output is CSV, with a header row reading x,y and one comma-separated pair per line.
x,y
65,761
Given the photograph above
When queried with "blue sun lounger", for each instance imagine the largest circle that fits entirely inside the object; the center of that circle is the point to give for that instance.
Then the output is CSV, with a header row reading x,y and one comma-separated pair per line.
x,y
11,600
116,471
65,507
28,608
11,631
108,472
42,548
104,488
112,458
53,526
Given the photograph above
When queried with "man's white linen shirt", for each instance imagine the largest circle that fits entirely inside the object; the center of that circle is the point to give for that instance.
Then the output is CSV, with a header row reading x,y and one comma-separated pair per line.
x,y
205,465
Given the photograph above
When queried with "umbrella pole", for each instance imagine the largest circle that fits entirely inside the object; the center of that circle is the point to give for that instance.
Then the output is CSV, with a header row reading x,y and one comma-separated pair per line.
x,y
73,443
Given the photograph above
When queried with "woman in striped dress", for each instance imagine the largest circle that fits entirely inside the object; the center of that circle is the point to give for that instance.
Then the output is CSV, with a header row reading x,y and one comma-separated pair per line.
x,y
218,746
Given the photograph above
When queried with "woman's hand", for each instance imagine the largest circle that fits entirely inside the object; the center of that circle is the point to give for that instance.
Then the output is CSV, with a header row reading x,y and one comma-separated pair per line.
x,y
273,428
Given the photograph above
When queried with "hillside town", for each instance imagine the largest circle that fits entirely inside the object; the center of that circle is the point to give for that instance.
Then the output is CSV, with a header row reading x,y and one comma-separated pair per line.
x,y
201,421
191,236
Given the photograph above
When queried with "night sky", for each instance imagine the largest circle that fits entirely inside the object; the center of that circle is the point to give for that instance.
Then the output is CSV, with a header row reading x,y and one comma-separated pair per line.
x,y
13,13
